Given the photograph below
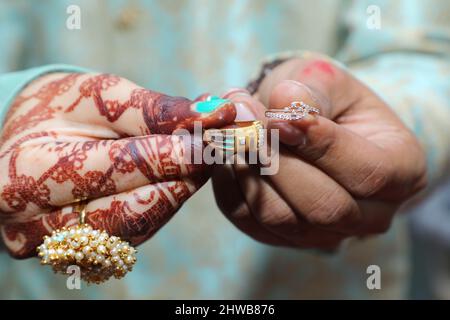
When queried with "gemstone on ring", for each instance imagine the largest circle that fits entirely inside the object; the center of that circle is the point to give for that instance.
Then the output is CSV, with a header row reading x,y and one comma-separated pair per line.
x,y
295,111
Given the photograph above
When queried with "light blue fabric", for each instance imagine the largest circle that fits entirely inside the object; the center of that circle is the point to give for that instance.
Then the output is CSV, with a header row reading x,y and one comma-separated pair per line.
x,y
12,83
189,47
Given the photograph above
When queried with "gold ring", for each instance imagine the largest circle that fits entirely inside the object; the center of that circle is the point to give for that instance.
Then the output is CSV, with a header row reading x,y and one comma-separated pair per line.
x,y
243,135
98,255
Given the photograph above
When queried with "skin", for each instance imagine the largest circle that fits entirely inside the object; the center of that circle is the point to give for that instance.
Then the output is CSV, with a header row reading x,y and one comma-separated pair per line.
x,y
102,138
342,174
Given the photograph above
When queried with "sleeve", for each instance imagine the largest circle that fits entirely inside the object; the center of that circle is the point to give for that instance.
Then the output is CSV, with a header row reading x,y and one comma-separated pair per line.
x,y
12,83
405,58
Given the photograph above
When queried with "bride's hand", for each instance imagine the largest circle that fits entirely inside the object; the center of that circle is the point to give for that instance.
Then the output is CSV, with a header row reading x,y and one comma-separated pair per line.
x,y
103,138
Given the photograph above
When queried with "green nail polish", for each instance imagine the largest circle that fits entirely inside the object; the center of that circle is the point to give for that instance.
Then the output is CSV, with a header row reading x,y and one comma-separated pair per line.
x,y
210,104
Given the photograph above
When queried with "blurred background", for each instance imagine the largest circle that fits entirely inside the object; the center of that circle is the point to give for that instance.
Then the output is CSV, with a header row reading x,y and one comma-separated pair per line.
x,y
190,47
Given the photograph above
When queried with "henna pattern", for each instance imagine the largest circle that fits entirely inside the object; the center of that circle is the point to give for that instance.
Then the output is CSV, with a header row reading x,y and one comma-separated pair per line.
x,y
21,239
28,209
131,224
41,111
135,225
161,113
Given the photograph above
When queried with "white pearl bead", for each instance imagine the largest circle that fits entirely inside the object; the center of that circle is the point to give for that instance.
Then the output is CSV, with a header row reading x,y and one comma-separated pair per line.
x,y
60,252
79,256
70,252
129,260
51,252
94,243
101,249
84,240
86,230
75,244
87,250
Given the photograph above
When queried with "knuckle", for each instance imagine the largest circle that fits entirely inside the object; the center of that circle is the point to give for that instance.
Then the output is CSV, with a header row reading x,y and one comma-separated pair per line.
x,y
331,208
9,202
371,180
275,214
22,251
321,148
281,220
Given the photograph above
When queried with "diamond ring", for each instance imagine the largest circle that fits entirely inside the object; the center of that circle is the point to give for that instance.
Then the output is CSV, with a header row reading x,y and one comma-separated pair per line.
x,y
296,111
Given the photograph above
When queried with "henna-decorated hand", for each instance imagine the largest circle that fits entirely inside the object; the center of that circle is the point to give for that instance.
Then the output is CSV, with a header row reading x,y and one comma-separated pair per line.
x,y
100,137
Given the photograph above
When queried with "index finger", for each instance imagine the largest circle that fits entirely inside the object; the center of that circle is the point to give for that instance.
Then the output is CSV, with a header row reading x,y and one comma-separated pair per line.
x,y
107,106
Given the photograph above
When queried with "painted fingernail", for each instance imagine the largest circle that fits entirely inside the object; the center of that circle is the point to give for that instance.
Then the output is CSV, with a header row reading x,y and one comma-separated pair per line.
x,y
211,104
202,97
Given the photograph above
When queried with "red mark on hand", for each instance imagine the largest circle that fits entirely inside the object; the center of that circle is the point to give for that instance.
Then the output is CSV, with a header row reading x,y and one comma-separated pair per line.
x,y
319,65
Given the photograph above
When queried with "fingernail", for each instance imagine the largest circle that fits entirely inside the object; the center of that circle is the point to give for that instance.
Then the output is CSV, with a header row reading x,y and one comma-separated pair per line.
x,y
305,87
301,85
211,104
294,82
244,112
202,97
234,91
